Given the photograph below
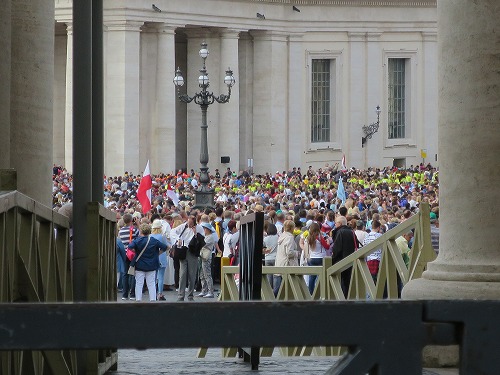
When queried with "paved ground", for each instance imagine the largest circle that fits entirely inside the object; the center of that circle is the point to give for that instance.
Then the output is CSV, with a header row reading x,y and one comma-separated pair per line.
x,y
185,361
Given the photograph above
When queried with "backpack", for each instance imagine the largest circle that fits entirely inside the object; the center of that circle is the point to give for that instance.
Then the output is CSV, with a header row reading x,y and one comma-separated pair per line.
x,y
196,244
220,232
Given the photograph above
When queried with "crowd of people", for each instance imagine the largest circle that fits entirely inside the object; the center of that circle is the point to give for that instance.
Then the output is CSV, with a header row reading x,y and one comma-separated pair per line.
x,y
308,215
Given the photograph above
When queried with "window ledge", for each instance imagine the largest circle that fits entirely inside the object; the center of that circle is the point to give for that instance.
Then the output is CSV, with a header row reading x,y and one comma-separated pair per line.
x,y
400,143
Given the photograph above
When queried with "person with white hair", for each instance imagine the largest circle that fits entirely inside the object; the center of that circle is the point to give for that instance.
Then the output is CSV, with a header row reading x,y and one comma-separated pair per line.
x,y
147,250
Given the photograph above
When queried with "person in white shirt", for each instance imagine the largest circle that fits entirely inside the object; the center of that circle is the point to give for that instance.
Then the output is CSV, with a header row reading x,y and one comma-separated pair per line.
x,y
360,231
270,249
181,236
373,259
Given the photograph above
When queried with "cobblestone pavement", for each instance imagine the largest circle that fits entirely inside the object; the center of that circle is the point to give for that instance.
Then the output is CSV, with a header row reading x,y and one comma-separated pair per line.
x,y
185,361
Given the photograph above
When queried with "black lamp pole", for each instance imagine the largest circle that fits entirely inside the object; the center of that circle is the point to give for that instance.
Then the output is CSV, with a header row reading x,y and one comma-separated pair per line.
x,y
204,196
371,129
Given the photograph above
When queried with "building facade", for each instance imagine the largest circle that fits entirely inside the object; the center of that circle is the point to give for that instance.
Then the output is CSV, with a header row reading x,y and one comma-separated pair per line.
x,y
309,75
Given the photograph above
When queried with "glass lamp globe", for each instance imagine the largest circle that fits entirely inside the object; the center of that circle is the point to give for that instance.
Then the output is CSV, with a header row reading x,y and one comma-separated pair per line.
x,y
203,80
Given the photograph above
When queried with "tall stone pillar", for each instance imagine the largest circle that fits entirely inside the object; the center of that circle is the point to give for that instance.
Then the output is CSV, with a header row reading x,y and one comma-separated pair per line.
x,y
245,87
68,116
193,111
429,105
297,129
270,114
60,58
122,132
32,76
5,65
164,134
216,77
468,264
229,114
374,92
351,136
181,146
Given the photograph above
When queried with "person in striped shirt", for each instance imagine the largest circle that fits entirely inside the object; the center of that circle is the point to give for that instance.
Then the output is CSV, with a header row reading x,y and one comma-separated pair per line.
x,y
127,234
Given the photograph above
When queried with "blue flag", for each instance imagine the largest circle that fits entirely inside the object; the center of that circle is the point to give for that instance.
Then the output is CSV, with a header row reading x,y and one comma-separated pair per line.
x,y
341,191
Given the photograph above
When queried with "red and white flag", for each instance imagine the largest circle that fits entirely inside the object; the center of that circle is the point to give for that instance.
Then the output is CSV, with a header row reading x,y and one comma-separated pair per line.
x,y
144,192
343,166
172,195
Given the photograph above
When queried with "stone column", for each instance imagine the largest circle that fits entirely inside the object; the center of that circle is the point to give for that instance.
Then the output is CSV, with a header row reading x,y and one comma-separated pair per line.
x,y
245,87
297,129
429,105
32,76
352,133
374,90
122,133
60,58
193,111
5,65
468,264
181,145
194,116
148,86
229,114
164,134
270,114
68,122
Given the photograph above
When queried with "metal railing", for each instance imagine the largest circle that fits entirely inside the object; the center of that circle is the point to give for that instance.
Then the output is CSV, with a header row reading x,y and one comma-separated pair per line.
x,y
390,341
36,267
328,286
391,266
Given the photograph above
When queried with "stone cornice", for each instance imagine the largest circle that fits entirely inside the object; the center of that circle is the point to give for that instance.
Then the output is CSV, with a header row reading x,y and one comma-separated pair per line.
x,y
380,3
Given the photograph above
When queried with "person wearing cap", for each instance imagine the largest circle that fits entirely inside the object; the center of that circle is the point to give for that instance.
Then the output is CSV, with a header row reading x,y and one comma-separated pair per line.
x,y
146,264
207,284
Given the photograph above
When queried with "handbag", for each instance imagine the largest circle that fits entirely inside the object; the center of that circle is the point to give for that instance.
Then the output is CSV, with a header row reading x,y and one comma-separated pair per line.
x,y
179,252
130,254
205,254
131,269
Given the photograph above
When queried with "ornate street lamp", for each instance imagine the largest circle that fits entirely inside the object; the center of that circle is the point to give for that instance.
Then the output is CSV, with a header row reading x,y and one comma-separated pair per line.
x,y
371,129
204,196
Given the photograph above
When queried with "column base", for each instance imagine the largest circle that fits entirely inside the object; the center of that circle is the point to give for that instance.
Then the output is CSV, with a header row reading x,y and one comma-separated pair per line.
x,y
440,284
203,199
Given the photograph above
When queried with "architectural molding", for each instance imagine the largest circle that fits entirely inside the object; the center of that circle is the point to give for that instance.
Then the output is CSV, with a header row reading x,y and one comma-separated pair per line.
x,y
125,25
379,3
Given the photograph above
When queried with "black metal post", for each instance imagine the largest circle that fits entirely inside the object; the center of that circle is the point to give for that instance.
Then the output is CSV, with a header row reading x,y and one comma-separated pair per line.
x,y
82,141
97,102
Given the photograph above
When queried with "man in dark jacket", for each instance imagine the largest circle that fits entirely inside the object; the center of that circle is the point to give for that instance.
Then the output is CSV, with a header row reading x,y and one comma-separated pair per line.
x,y
344,244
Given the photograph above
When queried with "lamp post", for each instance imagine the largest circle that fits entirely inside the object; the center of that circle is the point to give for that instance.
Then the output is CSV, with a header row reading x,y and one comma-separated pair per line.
x,y
204,196
371,129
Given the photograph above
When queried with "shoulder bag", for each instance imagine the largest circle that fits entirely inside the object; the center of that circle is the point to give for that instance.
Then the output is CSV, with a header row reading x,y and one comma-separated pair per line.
x,y
131,269
179,252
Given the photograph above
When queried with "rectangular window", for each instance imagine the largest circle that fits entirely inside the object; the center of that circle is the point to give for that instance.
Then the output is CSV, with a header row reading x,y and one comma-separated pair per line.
x,y
320,101
397,98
